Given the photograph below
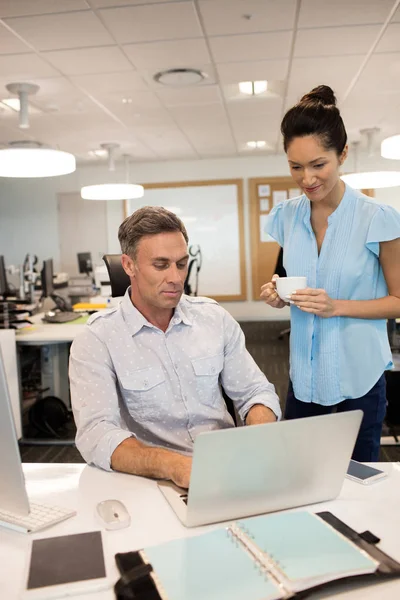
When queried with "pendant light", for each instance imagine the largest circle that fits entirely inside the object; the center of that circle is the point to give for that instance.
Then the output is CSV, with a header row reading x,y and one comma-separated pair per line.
x,y
27,158
113,191
370,179
390,147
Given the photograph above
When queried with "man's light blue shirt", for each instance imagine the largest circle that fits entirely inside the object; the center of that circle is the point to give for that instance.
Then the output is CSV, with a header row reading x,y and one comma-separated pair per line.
x,y
129,378
333,359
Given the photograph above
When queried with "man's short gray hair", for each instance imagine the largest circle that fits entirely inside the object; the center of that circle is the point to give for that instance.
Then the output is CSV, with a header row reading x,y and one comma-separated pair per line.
x,y
148,220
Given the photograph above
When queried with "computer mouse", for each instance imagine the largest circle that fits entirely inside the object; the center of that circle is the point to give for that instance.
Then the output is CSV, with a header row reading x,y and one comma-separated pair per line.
x,y
113,514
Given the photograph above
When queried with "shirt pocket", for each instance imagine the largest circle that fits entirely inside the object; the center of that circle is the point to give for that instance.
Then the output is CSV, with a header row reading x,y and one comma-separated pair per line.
x,y
207,370
143,391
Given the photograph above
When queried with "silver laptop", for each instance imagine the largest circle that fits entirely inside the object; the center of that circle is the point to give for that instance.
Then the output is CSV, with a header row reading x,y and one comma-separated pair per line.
x,y
262,468
16,512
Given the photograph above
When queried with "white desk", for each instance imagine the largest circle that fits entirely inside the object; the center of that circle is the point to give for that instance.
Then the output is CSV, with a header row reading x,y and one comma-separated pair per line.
x,y
80,487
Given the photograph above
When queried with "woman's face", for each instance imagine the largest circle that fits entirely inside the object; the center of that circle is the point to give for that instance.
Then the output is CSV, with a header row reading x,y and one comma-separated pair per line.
x,y
314,169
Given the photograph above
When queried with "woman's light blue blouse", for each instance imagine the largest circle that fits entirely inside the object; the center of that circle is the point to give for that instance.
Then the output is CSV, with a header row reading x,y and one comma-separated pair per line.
x,y
332,359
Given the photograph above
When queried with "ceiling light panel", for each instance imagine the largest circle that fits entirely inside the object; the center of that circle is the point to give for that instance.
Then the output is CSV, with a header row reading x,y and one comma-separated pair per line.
x,y
168,21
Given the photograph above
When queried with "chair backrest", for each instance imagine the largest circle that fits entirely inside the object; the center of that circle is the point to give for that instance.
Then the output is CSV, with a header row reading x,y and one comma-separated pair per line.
x,y
119,280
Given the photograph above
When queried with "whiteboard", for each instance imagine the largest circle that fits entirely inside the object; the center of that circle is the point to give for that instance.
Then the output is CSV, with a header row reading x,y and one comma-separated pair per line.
x,y
212,214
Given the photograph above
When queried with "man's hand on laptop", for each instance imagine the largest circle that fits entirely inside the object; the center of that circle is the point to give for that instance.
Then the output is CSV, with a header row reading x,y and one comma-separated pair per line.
x,y
180,468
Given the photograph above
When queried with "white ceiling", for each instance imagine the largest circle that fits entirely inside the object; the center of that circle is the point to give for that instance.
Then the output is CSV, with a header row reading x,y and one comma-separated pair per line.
x,y
87,55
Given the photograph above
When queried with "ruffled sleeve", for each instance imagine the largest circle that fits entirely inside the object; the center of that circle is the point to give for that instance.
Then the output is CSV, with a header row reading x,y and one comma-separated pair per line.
x,y
274,225
384,226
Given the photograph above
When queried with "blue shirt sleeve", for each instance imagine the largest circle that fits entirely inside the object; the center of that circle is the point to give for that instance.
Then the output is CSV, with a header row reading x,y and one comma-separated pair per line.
x,y
385,226
274,225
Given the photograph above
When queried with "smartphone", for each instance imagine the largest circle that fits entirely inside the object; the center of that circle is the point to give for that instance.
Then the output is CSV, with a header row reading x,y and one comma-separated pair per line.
x,y
66,565
363,473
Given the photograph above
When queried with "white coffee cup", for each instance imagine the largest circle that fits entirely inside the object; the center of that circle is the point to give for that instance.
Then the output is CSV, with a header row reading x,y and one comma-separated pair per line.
x,y
288,285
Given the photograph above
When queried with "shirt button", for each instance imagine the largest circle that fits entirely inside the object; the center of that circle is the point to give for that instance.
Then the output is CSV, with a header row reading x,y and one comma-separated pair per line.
x,y
145,383
212,369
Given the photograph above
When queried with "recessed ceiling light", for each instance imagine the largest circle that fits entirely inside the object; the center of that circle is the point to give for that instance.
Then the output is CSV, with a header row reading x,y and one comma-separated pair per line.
x,y
180,77
253,88
126,100
257,144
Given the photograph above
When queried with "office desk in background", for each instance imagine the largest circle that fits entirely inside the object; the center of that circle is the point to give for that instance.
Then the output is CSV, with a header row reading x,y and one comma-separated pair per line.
x,y
54,340
374,508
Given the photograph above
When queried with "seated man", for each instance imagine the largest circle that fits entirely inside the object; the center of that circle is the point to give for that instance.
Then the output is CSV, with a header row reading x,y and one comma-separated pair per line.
x,y
146,375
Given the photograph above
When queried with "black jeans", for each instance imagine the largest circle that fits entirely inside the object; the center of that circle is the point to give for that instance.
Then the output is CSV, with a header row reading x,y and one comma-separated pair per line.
x,y
373,405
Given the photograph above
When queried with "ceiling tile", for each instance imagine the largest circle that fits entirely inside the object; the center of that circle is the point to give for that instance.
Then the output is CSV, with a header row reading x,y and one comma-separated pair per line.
x,y
168,21
18,8
223,17
23,67
308,73
134,100
255,108
10,44
381,72
252,47
58,31
314,13
114,3
168,54
209,94
390,41
252,71
335,41
207,116
124,82
105,59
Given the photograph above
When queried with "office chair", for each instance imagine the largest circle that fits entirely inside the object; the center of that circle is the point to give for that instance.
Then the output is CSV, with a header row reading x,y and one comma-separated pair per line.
x,y
119,282
280,270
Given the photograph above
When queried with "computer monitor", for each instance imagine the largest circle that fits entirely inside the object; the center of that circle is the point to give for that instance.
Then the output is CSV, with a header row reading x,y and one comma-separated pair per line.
x,y
85,262
46,276
13,496
3,278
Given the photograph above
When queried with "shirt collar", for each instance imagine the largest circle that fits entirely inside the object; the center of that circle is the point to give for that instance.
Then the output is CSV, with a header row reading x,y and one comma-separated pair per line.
x,y
136,321
348,192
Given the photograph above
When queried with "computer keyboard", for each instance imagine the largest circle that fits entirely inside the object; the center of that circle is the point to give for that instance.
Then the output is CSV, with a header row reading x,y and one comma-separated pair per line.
x,y
40,517
61,317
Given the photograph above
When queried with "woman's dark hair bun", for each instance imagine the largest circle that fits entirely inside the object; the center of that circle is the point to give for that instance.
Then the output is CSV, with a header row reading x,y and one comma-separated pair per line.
x,y
322,93
316,114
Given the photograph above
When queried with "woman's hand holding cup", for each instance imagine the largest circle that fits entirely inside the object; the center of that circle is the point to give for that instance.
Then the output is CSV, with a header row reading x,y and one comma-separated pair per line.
x,y
270,295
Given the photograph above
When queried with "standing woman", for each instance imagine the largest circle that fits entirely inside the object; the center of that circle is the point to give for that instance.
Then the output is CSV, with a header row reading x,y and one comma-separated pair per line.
x,y
348,247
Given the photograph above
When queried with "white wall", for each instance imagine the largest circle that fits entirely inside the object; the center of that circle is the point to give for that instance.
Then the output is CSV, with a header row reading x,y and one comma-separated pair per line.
x,y
28,209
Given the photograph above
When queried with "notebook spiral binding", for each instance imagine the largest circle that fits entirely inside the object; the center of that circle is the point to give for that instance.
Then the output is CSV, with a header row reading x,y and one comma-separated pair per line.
x,y
268,567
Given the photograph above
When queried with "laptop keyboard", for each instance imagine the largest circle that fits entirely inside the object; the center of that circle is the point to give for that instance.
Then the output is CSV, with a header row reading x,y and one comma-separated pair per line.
x,y
40,517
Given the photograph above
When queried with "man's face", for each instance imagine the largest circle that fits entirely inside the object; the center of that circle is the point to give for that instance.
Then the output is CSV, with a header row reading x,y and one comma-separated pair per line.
x,y
159,270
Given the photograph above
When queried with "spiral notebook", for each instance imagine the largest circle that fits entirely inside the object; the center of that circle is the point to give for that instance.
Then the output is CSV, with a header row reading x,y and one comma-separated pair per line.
x,y
261,558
